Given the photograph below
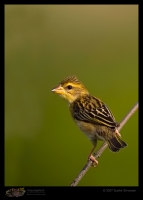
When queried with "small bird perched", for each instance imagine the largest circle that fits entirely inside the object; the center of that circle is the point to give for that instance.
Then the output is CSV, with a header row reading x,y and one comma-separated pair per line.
x,y
91,115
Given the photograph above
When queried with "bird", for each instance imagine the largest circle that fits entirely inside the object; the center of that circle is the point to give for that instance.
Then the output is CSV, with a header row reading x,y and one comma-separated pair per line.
x,y
91,115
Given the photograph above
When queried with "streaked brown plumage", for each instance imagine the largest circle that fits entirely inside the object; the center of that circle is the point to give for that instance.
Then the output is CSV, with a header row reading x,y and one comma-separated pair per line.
x,y
90,114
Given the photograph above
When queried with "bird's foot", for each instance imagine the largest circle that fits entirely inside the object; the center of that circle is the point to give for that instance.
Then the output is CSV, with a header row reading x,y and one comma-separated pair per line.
x,y
94,161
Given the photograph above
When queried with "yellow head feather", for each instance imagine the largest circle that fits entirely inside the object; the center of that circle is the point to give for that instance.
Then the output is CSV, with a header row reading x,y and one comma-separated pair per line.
x,y
70,89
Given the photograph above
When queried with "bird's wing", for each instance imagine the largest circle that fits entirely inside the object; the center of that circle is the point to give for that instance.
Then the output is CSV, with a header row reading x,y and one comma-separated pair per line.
x,y
94,111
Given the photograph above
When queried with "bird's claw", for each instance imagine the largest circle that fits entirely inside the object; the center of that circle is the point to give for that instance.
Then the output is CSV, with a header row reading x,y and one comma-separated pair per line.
x,y
94,161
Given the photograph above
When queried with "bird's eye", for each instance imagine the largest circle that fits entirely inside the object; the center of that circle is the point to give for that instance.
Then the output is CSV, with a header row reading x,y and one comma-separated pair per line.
x,y
69,87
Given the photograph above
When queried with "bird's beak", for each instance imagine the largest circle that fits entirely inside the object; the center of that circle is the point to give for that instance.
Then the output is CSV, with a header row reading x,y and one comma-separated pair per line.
x,y
58,90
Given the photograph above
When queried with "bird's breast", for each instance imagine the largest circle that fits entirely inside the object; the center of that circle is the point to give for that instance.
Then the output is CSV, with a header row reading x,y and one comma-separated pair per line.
x,y
90,130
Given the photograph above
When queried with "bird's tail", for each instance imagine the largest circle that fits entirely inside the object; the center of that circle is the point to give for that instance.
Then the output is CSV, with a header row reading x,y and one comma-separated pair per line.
x,y
116,143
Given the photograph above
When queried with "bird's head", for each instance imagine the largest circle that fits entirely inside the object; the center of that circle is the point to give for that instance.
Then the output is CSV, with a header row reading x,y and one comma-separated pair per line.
x,y
70,89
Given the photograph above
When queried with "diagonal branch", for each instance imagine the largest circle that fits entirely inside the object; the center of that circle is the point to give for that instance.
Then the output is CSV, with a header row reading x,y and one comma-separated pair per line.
x,y
98,153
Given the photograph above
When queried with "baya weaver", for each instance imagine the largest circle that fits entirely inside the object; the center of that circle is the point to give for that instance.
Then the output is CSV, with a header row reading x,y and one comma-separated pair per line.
x,y
91,115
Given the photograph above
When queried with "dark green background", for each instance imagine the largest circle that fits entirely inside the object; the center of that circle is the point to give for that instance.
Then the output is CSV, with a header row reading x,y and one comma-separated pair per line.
x,y
43,45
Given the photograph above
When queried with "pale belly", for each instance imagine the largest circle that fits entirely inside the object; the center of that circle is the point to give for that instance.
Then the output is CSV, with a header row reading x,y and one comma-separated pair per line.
x,y
89,130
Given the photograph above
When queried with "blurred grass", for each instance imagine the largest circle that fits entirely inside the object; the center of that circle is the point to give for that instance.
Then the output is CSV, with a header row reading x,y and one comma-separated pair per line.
x,y
43,45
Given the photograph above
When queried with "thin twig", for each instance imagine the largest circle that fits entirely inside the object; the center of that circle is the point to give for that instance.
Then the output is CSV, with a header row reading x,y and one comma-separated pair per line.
x,y
98,153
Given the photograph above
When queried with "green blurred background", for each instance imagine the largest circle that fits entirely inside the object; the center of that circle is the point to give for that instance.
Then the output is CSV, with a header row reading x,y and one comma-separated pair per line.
x,y
43,45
